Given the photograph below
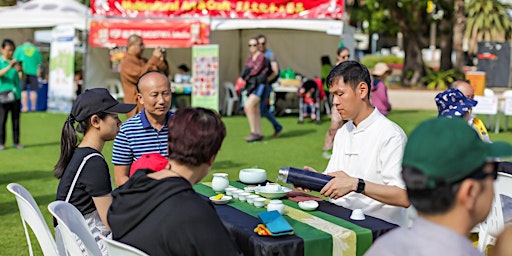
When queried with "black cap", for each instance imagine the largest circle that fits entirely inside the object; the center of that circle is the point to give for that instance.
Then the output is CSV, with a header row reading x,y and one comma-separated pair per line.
x,y
97,100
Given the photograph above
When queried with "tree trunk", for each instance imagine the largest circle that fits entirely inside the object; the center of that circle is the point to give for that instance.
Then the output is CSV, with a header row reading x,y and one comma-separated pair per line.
x,y
446,35
411,18
458,34
413,69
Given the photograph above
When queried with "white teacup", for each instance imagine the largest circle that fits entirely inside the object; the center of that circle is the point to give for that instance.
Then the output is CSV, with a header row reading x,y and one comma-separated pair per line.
x,y
236,193
259,202
243,196
229,190
357,214
250,198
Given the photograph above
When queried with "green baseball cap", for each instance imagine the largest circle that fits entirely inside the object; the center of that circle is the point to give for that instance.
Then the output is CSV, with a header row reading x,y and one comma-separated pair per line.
x,y
448,149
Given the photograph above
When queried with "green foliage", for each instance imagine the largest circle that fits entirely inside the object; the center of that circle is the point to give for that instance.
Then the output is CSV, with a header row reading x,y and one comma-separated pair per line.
x,y
7,2
371,60
441,80
487,20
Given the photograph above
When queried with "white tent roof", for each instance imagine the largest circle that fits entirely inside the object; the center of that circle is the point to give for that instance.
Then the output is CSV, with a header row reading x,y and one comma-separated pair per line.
x,y
44,13
329,26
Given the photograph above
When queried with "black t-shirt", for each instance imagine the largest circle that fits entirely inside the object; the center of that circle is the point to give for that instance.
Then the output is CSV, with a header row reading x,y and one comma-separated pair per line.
x,y
94,180
167,217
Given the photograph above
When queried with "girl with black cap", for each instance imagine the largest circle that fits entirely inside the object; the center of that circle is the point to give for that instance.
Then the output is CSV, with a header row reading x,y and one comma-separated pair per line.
x,y
83,172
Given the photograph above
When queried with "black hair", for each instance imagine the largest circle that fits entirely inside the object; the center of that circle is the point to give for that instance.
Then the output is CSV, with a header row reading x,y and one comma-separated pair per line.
x,y
184,68
352,73
425,199
325,60
69,141
7,42
340,49
145,74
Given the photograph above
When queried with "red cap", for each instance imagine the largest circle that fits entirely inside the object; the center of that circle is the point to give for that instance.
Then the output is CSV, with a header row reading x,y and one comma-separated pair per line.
x,y
152,161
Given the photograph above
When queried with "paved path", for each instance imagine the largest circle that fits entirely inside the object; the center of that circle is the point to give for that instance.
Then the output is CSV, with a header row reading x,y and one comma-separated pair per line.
x,y
412,99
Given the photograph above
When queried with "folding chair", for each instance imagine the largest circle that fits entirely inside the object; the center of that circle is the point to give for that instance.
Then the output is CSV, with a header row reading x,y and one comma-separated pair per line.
x,y
495,222
230,98
117,248
71,225
30,213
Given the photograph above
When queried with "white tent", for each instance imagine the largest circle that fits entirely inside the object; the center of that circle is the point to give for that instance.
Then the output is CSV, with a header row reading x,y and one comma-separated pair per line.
x,y
44,14
297,43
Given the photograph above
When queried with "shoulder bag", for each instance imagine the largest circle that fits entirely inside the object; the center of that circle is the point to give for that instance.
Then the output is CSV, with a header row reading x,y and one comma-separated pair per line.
x,y
7,97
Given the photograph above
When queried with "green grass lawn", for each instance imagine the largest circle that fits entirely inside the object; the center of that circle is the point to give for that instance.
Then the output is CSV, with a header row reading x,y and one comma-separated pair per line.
x,y
32,167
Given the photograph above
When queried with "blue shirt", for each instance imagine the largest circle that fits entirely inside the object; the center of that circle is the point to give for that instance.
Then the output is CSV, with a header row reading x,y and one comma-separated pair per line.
x,y
137,137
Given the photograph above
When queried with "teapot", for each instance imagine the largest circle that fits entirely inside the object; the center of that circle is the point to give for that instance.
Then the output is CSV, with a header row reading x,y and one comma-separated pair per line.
x,y
220,182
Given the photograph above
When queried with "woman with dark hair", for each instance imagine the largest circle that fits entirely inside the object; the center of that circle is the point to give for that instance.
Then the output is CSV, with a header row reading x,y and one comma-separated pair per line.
x,y
84,176
10,91
255,74
159,212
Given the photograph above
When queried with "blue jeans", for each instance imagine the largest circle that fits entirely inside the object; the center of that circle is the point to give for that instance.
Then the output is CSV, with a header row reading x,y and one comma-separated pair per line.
x,y
265,110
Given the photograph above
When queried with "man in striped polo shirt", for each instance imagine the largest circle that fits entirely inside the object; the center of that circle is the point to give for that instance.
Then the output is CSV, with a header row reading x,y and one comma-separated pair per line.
x,y
145,132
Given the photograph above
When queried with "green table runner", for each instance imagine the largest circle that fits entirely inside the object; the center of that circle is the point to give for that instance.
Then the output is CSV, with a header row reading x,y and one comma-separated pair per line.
x,y
323,234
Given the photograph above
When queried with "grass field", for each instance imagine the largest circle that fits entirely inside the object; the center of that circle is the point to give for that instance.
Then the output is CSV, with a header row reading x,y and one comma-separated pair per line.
x,y
32,167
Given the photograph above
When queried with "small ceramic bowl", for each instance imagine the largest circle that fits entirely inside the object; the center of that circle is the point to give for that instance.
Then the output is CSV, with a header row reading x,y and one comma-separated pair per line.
x,y
229,190
223,200
308,205
250,198
252,176
243,196
259,202
237,192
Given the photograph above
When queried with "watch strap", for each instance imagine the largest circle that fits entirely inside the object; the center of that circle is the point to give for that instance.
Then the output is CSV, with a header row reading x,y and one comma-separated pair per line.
x,y
360,186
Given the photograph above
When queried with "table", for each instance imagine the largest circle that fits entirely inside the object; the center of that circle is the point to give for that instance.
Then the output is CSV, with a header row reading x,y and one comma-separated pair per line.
x,y
326,231
286,99
181,93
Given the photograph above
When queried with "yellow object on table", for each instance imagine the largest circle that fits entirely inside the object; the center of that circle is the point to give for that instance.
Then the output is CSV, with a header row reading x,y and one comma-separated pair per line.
x,y
290,82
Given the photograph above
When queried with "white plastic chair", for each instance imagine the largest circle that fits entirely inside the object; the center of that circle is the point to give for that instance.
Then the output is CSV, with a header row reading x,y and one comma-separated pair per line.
x,y
31,215
488,92
230,98
495,223
115,87
118,248
71,224
506,106
488,105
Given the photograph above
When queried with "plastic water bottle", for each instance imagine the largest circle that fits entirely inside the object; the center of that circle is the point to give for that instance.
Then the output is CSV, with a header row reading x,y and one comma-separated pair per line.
x,y
301,178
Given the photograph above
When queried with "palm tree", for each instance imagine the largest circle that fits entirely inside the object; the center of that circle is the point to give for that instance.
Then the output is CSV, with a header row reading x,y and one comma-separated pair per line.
x,y
487,20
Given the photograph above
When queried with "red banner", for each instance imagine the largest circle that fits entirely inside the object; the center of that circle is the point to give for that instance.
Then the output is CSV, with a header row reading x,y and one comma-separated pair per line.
x,y
164,33
235,9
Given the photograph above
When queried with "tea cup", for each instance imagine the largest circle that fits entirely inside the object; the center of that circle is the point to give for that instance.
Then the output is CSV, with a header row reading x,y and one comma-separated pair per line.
x,y
250,198
242,196
259,202
357,214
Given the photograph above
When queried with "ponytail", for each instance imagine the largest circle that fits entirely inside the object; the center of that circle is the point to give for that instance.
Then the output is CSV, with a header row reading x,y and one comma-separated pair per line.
x,y
68,143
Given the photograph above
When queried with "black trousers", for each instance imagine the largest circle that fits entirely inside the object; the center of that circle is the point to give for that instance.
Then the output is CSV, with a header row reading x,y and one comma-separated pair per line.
x,y
15,109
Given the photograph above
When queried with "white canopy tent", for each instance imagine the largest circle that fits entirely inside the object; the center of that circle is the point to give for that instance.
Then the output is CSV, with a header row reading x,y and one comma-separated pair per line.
x,y
44,14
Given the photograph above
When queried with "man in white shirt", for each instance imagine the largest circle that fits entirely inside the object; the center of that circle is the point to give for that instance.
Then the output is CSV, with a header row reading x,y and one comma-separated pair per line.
x,y
367,152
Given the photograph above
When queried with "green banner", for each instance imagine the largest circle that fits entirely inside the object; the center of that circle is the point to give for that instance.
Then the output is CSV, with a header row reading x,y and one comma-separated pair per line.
x,y
205,76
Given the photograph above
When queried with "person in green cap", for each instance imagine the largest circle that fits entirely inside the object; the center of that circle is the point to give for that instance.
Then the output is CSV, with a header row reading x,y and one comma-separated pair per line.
x,y
30,58
449,174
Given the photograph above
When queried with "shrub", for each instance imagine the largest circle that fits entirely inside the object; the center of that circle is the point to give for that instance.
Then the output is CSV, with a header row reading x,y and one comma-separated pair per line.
x,y
441,80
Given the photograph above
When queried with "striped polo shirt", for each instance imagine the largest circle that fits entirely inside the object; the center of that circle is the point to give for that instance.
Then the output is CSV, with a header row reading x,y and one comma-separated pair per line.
x,y
137,137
